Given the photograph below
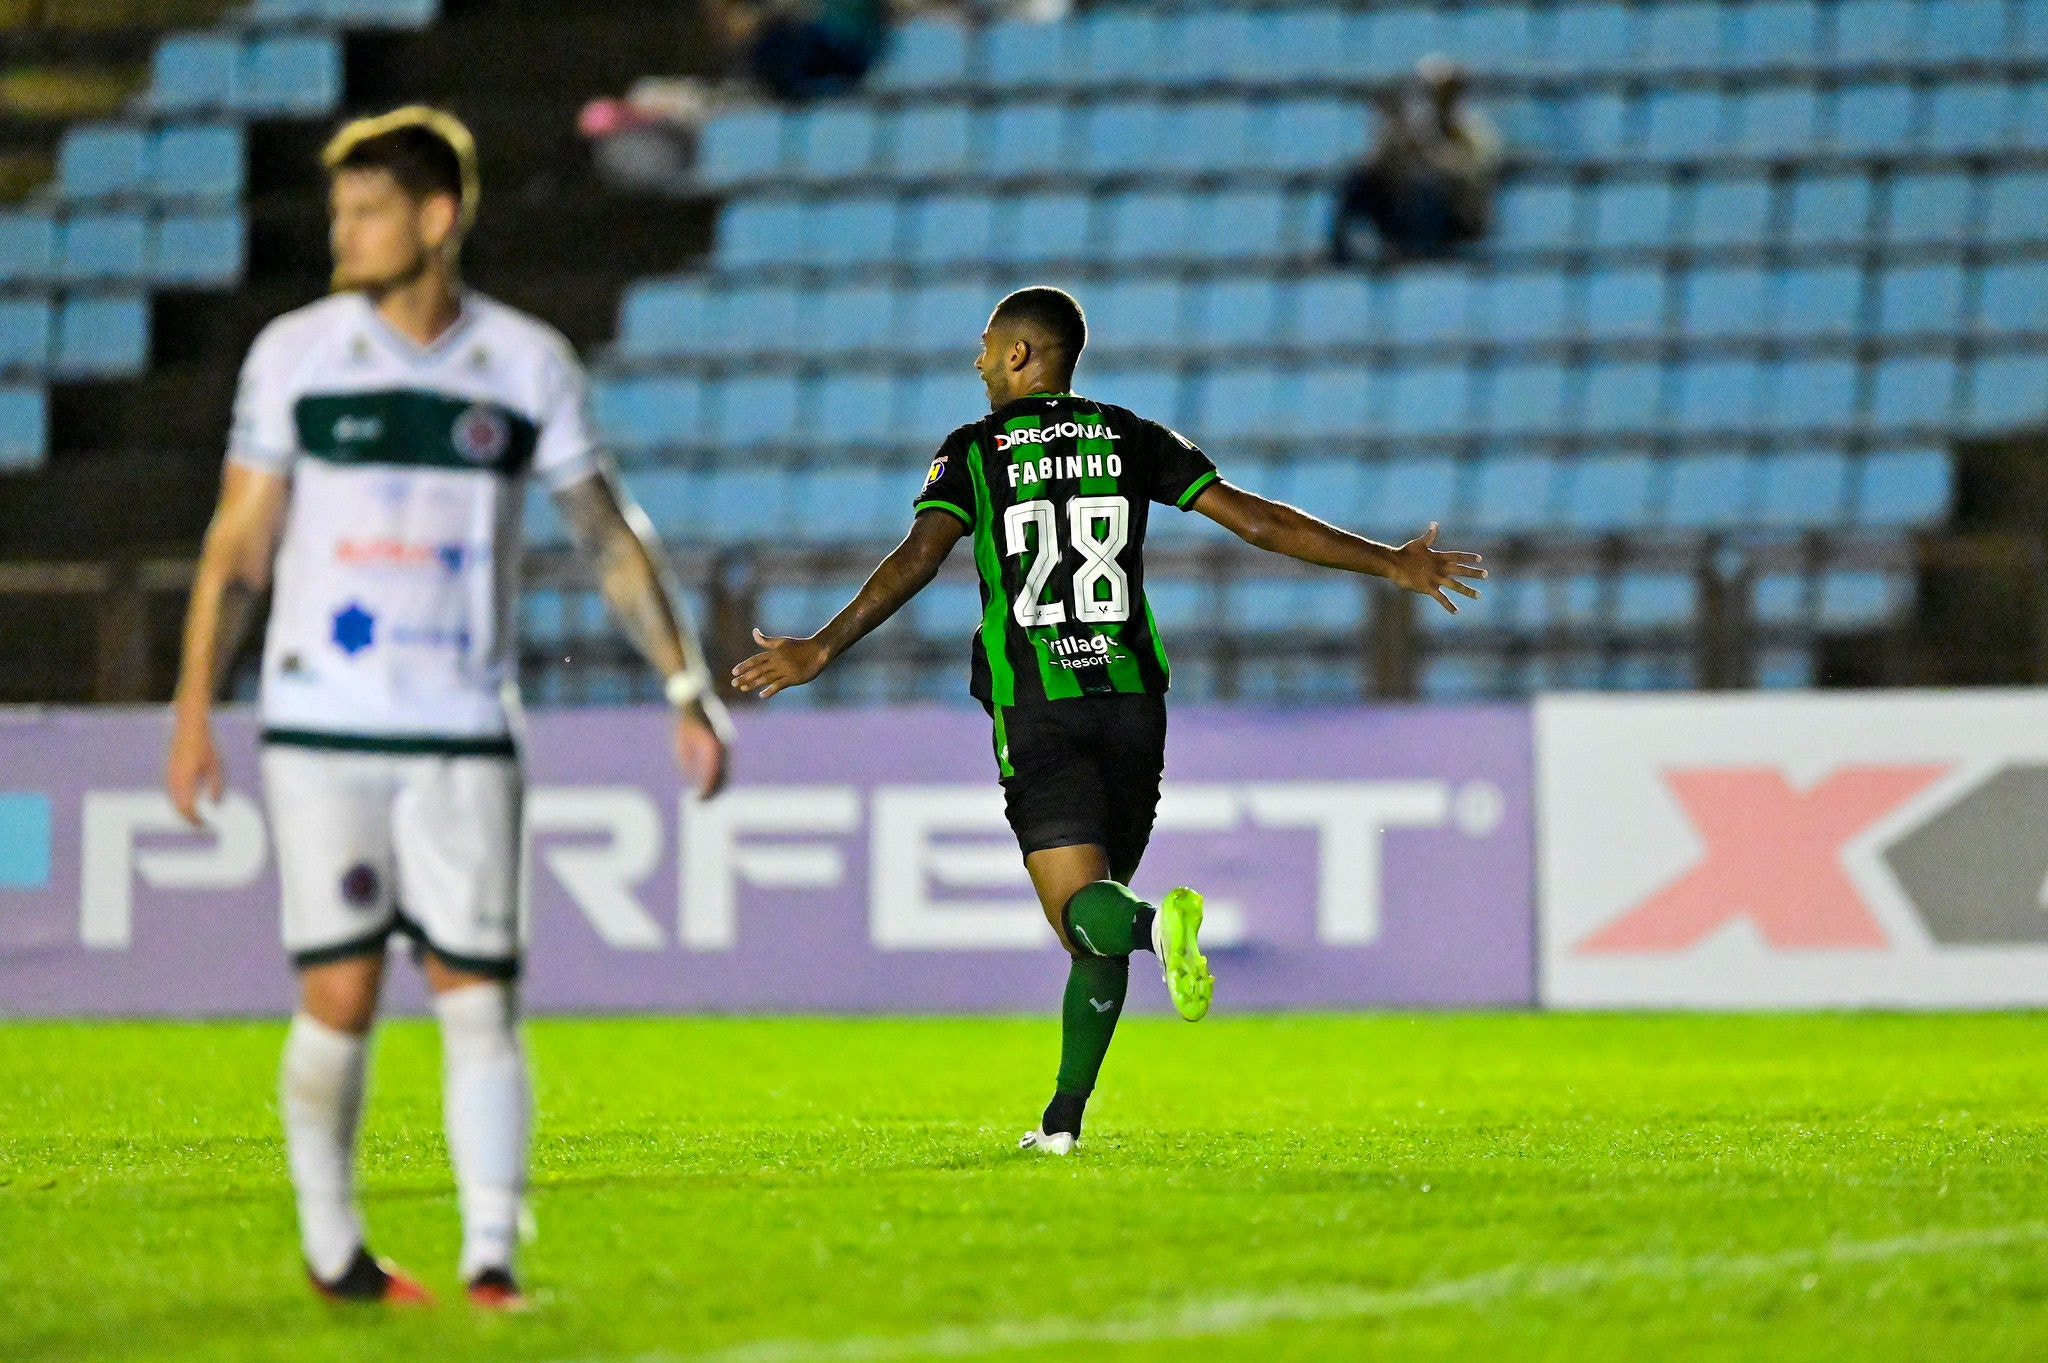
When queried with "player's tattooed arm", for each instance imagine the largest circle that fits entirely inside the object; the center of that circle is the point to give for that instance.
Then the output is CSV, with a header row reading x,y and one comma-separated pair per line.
x,y
619,543
231,577
910,566
1417,565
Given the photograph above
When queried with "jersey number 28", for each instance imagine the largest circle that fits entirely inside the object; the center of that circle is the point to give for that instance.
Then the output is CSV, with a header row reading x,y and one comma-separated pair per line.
x,y
1100,527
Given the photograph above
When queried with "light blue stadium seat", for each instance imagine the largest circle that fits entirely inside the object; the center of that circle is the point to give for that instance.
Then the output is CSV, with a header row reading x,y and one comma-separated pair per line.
x,y
1242,224
1822,301
923,54
1684,125
1622,396
2014,298
757,409
1722,301
1489,38
198,161
1432,304
949,228
1514,493
942,399
1804,490
1776,121
756,232
102,336
1332,402
1179,604
1429,400
858,319
856,231
24,426
1654,600
659,318
649,412
1120,48
1625,303
540,613
1718,395
290,73
1326,605
352,13
1331,310
1710,491
1125,135
1236,312
1149,226
1041,228
1152,393
1294,44
944,610
1024,138
1585,38
1535,217
1311,134
1964,30
1872,119
1201,45
1682,37
1811,395
1904,488
1783,598
1773,33
1844,600
946,318
101,246
543,614
1234,404
27,246
101,160
196,72
1726,212
1413,493
740,504
1459,678
2032,38
1829,210
197,248
846,504
1338,490
1593,127
2013,208
1632,213
762,320
1922,299
1526,398
740,145
25,330
1968,116
1018,54
849,407
1875,32
1928,208
1136,314
1917,391
931,140
1532,306
1604,493
2009,389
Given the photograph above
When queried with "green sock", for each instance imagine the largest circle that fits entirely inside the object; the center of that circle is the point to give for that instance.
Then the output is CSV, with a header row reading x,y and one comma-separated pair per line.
x,y
1095,996
1103,920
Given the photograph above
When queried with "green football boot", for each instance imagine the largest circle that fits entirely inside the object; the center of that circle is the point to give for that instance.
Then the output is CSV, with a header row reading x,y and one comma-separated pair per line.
x,y
1174,931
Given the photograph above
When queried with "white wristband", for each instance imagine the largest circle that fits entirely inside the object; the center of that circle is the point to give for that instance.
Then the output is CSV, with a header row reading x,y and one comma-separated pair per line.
x,y
684,688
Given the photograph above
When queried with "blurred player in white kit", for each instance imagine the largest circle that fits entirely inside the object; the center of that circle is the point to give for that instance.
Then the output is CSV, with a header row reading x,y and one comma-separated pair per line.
x,y
375,475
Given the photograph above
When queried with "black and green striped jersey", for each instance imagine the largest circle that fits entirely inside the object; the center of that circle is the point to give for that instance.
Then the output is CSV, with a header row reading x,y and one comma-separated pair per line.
x,y
1055,489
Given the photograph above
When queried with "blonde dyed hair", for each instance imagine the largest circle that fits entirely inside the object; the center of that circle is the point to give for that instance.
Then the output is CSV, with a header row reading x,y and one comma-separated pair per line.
x,y
442,124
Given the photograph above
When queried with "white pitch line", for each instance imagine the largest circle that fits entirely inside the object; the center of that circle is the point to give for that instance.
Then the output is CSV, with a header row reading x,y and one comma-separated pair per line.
x,y
1235,1315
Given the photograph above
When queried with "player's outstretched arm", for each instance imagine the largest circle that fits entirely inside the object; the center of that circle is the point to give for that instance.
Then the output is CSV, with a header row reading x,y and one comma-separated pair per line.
x,y
618,540
1417,565
233,573
783,663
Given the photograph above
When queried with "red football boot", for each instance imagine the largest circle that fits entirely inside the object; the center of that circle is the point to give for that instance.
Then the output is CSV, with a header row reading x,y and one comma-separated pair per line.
x,y
495,1289
368,1279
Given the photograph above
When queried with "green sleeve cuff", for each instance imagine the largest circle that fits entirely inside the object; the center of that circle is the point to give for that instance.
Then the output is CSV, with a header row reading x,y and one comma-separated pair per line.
x,y
965,519
1195,489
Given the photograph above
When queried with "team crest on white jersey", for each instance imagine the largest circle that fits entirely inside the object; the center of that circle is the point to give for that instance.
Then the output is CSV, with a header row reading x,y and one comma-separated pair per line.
x,y
481,435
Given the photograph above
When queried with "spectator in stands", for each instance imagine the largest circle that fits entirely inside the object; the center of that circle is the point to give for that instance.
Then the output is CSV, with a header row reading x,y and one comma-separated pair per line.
x,y
1426,188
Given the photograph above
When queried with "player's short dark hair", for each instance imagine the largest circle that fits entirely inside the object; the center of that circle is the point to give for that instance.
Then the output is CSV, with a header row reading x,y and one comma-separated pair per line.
x,y
1054,313
427,151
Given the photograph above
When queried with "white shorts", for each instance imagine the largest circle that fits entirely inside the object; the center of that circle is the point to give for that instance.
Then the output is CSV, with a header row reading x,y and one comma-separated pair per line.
x,y
374,843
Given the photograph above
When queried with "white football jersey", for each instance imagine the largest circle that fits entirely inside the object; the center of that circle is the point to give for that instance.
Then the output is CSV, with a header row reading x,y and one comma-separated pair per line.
x,y
392,616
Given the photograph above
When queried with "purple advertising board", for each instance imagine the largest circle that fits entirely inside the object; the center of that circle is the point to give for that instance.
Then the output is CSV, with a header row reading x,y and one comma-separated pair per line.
x,y
858,864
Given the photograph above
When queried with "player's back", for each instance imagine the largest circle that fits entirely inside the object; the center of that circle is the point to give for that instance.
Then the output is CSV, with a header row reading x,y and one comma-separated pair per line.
x,y
1056,490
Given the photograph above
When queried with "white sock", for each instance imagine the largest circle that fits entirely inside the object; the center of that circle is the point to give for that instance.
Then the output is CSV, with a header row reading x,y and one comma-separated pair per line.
x,y
322,1092
486,1102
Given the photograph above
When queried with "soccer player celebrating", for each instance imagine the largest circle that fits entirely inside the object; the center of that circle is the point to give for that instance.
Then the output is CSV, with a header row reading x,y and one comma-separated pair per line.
x,y
1054,489
381,442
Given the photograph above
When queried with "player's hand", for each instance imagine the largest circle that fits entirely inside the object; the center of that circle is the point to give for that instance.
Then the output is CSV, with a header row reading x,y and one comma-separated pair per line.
x,y
1421,567
781,664
704,745
193,769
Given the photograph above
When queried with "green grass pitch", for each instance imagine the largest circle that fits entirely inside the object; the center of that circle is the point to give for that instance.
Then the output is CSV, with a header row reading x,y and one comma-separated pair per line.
x,y
786,1191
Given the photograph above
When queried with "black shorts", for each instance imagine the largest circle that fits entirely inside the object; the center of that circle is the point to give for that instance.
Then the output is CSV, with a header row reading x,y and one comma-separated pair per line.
x,y
1084,771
